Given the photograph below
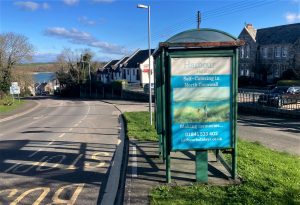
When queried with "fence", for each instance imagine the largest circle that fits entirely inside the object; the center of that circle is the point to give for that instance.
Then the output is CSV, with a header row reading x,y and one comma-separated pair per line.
x,y
261,100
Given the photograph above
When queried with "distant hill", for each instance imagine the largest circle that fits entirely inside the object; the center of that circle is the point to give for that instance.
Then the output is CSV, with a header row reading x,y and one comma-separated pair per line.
x,y
37,67
48,67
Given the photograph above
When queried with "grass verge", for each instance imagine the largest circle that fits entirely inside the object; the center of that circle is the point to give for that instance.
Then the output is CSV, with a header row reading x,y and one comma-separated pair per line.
x,y
7,108
138,126
269,177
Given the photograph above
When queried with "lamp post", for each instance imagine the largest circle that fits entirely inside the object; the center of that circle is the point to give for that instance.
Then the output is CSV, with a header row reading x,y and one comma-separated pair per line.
x,y
141,6
83,61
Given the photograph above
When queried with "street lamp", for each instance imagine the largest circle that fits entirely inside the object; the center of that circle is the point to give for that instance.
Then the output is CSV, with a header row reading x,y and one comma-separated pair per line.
x,y
141,6
83,61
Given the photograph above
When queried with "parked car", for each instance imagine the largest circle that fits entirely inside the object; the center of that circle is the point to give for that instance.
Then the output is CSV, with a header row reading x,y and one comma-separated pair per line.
x,y
279,96
146,88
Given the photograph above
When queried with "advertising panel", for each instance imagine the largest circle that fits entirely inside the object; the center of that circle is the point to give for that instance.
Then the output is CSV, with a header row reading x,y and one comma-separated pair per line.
x,y
200,103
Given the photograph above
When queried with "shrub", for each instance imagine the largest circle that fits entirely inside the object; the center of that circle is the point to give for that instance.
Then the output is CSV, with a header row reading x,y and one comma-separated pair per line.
x,y
7,100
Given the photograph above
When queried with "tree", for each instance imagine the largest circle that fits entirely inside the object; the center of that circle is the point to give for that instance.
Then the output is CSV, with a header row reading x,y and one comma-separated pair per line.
x,y
14,48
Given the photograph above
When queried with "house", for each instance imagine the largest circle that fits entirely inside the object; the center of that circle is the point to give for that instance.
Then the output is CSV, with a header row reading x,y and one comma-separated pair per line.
x,y
105,72
268,52
137,67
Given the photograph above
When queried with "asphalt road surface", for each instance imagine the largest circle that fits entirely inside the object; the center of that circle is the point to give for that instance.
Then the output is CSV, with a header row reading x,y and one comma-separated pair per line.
x,y
279,134
61,153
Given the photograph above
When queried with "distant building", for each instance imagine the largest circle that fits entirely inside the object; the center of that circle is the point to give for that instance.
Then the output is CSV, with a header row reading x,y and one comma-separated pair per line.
x,y
137,68
133,69
268,52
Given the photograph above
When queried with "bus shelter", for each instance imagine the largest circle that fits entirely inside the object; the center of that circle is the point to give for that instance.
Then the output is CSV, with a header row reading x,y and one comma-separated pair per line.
x,y
196,97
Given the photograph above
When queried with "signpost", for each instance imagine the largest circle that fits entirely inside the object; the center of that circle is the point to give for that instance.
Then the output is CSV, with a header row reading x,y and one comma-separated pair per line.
x,y
196,90
14,89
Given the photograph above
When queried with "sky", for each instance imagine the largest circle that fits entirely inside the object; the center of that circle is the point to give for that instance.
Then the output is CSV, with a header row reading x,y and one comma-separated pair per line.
x,y
115,28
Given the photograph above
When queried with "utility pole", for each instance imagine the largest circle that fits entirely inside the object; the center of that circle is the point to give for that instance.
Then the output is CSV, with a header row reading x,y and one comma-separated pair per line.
x,y
198,20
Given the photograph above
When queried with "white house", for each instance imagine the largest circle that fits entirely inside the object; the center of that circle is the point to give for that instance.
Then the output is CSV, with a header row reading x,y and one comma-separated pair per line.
x,y
137,68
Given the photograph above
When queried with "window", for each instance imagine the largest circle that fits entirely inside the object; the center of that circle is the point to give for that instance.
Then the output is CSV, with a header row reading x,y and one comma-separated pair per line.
x,y
277,52
270,53
127,72
242,52
264,52
276,71
247,73
247,51
284,51
133,72
242,72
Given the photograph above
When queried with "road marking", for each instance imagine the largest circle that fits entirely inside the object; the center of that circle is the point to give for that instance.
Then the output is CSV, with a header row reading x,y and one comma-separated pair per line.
x,y
61,135
12,167
76,125
119,141
70,201
46,190
35,153
12,192
95,157
70,129
50,165
72,166
50,143
134,163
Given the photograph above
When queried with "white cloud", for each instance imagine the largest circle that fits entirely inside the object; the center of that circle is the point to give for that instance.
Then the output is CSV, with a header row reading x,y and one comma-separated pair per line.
x,y
31,6
71,2
27,5
83,38
292,17
86,21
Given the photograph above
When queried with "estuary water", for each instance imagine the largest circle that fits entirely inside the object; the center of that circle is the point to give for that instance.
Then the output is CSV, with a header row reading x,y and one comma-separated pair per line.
x,y
43,77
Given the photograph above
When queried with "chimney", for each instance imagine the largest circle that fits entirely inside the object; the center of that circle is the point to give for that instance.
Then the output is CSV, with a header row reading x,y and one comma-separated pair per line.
x,y
249,26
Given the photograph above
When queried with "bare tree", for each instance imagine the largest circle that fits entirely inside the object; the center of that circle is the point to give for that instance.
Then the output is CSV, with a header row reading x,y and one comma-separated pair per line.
x,y
13,49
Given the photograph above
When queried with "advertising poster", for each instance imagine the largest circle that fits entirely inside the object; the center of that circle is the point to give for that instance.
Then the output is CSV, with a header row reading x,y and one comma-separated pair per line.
x,y
200,100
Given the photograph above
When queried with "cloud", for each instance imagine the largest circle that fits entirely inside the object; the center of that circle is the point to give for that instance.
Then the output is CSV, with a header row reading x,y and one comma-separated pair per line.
x,y
71,2
86,21
83,38
31,6
292,17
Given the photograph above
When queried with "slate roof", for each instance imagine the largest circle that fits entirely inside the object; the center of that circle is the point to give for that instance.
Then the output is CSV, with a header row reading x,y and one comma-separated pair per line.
x,y
138,58
278,34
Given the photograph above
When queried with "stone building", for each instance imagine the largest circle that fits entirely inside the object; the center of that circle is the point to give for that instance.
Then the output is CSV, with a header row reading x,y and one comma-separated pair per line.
x,y
268,52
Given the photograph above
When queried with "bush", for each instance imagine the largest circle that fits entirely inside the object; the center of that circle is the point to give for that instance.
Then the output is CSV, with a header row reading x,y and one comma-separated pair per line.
x,y
117,85
288,83
7,100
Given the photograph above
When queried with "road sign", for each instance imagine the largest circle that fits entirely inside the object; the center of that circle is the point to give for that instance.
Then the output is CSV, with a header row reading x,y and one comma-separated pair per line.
x,y
14,84
14,90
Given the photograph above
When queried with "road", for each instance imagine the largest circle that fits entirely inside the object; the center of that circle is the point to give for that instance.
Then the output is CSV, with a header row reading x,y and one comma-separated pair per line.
x,y
280,134
60,153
